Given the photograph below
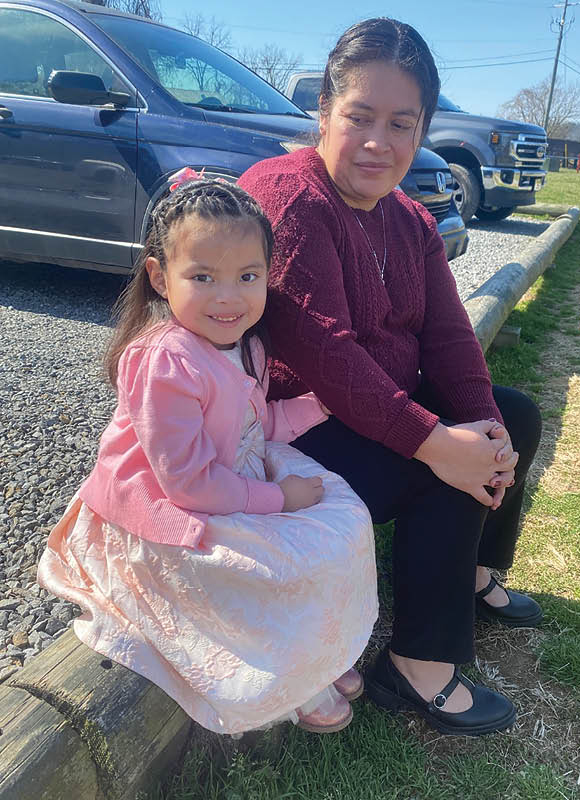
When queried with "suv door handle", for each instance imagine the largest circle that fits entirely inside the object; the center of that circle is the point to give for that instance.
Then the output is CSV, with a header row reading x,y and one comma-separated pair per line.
x,y
5,113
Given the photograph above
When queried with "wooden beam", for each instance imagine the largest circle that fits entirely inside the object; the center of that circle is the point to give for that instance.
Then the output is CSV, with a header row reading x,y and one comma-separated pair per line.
x,y
76,725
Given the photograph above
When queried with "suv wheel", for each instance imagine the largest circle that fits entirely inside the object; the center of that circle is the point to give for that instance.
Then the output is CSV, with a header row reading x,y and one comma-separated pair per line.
x,y
467,193
492,214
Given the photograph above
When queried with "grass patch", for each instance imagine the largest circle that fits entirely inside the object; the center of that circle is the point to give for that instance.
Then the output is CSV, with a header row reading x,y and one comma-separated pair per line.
x,y
561,187
384,757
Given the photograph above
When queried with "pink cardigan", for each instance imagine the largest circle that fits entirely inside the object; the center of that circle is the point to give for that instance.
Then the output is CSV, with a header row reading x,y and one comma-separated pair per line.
x,y
165,459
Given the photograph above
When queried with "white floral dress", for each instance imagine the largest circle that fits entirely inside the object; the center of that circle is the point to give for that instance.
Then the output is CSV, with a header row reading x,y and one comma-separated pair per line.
x,y
243,631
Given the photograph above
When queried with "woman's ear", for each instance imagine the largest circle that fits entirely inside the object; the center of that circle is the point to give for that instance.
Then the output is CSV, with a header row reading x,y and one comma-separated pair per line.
x,y
156,276
322,120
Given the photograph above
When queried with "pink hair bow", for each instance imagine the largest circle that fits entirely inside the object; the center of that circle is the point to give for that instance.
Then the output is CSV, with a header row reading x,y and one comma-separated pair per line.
x,y
184,175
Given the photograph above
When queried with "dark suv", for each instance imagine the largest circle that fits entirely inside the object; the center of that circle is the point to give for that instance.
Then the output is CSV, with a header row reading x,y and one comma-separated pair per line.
x,y
99,109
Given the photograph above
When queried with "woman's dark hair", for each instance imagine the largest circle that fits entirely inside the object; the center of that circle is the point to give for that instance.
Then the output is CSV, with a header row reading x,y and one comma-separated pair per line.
x,y
140,307
387,40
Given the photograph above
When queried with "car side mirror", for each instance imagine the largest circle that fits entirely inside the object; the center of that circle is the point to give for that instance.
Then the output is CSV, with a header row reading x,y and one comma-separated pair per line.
x,y
83,89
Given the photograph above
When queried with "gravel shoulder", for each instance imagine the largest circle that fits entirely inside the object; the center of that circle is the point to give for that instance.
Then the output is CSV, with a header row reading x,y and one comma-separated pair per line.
x,y
55,402
491,245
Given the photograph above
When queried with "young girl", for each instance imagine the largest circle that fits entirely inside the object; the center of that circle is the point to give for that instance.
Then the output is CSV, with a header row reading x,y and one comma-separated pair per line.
x,y
207,554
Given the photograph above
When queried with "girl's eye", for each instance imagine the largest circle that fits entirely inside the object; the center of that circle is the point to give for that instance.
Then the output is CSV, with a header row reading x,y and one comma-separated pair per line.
x,y
202,278
249,277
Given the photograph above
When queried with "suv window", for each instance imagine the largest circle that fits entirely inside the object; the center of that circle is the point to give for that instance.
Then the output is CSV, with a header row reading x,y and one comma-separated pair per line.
x,y
33,45
194,72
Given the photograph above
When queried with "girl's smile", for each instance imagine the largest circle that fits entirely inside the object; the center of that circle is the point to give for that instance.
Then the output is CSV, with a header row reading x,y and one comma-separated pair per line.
x,y
215,278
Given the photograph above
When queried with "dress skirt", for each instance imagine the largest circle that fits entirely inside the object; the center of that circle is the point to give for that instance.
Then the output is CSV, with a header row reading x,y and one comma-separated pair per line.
x,y
256,623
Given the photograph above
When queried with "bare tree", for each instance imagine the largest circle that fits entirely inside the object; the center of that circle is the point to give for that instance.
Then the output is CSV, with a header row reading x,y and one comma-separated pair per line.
x,y
529,105
210,30
271,62
142,8
215,33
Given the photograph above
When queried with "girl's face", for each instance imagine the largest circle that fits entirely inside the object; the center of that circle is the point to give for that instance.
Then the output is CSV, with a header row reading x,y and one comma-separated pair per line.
x,y
371,133
215,278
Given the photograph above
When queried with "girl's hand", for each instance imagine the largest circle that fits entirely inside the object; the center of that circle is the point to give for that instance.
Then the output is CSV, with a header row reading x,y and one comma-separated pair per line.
x,y
464,456
300,492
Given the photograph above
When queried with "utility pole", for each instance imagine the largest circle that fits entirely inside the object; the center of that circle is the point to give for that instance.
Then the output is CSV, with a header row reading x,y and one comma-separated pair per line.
x,y
561,23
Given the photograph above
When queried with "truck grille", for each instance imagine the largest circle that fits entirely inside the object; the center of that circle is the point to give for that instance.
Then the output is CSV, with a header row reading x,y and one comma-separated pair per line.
x,y
529,150
436,202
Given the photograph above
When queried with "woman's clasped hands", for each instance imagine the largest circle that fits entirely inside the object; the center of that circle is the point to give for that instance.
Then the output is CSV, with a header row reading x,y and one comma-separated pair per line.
x,y
472,456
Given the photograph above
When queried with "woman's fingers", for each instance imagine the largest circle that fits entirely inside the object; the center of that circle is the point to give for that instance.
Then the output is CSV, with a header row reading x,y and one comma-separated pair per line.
x,y
482,496
498,496
502,479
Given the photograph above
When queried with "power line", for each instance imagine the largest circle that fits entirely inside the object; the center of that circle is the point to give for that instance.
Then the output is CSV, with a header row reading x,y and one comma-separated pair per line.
x,y
491,58
572,69
498,64
562,24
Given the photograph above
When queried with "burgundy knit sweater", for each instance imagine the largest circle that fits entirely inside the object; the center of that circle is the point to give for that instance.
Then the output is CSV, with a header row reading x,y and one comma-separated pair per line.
x,y
338,330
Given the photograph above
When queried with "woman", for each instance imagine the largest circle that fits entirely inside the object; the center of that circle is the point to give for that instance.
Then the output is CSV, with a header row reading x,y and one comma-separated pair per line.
x,y
365,313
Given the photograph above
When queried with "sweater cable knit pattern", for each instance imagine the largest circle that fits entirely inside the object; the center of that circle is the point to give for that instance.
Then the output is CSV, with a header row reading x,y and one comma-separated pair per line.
x,y
361,345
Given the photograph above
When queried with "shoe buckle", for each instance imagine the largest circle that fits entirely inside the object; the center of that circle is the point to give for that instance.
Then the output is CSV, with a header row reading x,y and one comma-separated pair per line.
x,y
439,701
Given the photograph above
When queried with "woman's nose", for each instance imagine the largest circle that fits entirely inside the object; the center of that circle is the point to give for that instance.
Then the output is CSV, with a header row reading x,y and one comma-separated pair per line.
x,y
379,140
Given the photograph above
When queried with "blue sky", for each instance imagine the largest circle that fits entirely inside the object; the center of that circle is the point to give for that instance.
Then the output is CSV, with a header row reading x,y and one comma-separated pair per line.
x,y
463,35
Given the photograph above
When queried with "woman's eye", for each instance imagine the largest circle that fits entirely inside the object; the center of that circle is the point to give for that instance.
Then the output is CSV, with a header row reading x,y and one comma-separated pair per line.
x,y
248,277
202,278
357,120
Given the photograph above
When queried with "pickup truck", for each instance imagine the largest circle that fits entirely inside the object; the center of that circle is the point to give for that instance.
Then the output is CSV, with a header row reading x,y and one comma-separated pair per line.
x,y
497,164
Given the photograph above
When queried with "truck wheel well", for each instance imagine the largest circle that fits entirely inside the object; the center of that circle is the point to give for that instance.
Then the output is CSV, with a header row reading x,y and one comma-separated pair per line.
x,y
455,155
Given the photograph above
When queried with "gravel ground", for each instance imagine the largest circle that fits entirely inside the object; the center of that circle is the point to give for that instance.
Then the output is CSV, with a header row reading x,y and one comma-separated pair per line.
x,y
54,403
491,245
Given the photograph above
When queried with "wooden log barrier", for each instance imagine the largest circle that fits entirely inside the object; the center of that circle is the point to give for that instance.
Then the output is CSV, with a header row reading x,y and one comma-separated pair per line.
x,y
77,726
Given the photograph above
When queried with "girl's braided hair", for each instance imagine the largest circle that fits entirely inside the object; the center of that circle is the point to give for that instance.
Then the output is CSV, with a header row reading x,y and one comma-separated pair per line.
x,y
140,307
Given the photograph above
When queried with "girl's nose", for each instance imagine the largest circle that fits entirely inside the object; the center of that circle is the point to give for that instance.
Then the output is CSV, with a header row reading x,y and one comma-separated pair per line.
x,y
227,293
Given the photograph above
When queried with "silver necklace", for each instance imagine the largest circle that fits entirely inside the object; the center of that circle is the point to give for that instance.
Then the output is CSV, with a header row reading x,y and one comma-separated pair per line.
x,y
372,249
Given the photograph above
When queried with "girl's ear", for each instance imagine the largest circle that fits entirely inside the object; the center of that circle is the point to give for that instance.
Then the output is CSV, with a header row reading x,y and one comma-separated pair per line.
x,y
156,276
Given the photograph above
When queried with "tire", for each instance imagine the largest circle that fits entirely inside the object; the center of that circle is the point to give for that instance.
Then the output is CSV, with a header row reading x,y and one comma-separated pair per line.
x,y
493,214
467,193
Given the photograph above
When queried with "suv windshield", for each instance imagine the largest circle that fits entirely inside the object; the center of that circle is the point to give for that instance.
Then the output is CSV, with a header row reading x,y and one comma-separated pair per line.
x,y
193,71
444,104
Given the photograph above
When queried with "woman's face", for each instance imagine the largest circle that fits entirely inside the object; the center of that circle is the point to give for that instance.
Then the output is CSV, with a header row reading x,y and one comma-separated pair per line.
x,y
371,133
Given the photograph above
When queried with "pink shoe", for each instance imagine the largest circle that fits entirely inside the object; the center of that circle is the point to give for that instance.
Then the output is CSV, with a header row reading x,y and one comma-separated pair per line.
x,y
350,685
326,718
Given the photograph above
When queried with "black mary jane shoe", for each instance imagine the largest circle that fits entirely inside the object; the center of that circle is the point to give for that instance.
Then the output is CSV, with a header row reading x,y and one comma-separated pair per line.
x,y
490,711
521,611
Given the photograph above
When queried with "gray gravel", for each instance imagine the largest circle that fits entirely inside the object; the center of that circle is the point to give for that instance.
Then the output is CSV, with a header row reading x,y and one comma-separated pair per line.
x,y
491,245
54,403
53,406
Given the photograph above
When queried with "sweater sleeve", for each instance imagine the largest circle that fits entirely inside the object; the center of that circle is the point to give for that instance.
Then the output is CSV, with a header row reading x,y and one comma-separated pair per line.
x,y
451,357
311,329
164,397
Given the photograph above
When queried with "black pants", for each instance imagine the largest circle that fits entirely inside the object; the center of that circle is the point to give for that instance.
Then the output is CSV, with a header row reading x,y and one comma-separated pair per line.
x,y
441,533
